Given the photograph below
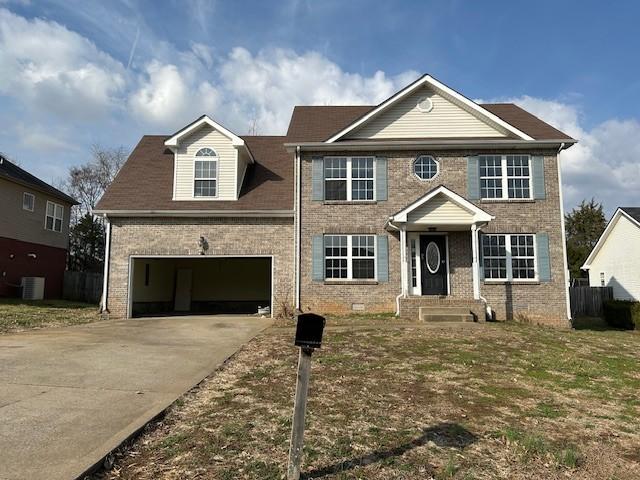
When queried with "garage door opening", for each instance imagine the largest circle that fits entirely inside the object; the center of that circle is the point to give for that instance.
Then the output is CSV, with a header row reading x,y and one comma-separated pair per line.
x,y
200,285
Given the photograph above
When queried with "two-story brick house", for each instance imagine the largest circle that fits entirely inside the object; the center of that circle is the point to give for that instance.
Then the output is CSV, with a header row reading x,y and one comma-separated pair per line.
x,y
34,231
427,205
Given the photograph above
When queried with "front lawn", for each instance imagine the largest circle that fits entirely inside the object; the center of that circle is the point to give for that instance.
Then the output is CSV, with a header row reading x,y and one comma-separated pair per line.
x,y
16,314
471,401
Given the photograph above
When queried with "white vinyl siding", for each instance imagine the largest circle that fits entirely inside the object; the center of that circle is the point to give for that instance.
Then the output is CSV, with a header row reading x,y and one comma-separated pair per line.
x,y
619,260
243,163
440,210
447,119
206,137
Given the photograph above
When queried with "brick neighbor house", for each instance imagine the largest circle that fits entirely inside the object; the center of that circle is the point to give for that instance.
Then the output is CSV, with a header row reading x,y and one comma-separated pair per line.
x,y
429,205
34,231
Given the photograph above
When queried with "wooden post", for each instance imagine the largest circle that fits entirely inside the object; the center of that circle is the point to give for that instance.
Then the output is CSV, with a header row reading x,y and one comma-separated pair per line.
x,y
299,410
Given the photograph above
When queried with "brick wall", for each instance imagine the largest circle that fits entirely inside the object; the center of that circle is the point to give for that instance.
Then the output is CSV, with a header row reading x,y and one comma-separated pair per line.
x,y
179,236
544,303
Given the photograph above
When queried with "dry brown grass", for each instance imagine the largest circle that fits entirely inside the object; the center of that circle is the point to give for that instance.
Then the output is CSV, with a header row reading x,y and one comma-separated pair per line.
x,y
469,402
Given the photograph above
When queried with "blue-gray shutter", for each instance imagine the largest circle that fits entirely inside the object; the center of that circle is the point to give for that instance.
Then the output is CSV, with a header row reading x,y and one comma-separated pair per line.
x,y
381,178
473,178
480,257
317,178
544,262
317,253
537,177
382,250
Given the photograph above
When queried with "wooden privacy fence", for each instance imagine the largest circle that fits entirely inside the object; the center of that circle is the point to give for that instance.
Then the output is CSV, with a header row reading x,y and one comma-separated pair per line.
x,y
82,287
589,300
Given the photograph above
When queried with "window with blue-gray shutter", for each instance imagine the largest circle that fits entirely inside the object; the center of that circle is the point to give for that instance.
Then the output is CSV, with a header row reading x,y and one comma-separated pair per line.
x,y
537,176
317,254
473,178
544,260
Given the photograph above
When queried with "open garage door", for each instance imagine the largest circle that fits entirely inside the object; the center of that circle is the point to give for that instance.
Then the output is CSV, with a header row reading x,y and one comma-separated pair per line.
x,y
199,285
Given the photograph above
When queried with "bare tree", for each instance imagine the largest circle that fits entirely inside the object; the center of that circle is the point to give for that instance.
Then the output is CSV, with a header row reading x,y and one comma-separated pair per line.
x,y
88,182
254,128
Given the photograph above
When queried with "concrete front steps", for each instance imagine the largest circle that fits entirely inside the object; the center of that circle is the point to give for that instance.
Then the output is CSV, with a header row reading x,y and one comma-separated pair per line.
x,y
442,309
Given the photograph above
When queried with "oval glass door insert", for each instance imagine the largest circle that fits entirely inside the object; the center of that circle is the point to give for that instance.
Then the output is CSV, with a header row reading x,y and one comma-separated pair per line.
x,y
433,258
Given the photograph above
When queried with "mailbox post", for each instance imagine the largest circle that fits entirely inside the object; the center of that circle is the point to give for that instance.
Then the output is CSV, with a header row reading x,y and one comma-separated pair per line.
x,y
308,337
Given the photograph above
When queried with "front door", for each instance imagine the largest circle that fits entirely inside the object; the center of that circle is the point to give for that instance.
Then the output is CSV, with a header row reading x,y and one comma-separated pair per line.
x,y
433,264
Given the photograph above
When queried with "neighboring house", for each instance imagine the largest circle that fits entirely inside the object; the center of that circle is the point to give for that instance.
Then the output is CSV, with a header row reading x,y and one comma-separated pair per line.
x,y
615,260
34,231
427,204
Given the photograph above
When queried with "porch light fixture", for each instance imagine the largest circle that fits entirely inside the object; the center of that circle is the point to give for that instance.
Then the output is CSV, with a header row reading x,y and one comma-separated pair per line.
x,y
203,244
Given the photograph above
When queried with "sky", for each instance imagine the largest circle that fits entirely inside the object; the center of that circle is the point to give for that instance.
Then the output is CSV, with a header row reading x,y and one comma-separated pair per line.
x,y
74,74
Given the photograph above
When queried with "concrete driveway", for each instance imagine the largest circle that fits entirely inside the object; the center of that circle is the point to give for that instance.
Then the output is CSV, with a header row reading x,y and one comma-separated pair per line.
x,y
68,396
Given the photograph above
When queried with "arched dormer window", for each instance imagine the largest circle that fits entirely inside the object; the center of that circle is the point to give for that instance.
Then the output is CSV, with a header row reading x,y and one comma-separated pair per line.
x,y
205,173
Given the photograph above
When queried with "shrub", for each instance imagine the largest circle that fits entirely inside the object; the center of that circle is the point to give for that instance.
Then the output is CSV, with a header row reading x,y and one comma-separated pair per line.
x,y
622,314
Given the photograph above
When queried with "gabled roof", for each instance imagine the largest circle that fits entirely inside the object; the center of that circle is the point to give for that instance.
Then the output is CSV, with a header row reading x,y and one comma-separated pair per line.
x,y
440,87
318,123
145,182
13,173
479,215
631,213
174,140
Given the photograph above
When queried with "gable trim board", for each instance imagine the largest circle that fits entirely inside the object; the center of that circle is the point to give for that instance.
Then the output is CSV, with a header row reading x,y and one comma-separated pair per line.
x,y
174,140
607,231
477,215
439,87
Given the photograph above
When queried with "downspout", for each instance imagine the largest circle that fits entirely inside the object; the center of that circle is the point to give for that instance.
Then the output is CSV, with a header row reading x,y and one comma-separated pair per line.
x,y
400,295
298,227
105,280
564,235
476,239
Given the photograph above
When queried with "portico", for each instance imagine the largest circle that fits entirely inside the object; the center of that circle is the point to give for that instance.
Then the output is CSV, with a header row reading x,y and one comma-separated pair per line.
x,y
439,244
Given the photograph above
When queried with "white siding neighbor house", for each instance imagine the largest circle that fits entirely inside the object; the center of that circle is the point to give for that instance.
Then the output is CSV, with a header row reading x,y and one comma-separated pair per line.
x,y
615,260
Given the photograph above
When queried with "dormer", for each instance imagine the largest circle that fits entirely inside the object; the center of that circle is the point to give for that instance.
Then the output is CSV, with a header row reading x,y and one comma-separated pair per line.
x,y
210,162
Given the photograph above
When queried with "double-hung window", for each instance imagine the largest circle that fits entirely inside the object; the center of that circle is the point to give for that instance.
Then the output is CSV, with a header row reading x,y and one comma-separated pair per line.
x,y
509,257
28,201
205,180
505,177
349,178
350,257
53,217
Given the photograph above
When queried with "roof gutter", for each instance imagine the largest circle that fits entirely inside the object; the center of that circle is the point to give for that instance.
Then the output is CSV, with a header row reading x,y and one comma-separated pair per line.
x,y
196,213
439,144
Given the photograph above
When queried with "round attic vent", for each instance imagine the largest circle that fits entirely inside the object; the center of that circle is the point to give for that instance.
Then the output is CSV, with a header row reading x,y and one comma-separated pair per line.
x,y
425,104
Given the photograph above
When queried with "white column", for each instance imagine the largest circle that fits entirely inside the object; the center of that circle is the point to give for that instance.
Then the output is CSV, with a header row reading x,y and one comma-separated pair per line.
x,y
474,267
403,261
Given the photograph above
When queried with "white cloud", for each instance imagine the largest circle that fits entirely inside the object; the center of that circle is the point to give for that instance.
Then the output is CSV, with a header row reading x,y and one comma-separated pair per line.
x,y
604,164
267,85
50,68
169,95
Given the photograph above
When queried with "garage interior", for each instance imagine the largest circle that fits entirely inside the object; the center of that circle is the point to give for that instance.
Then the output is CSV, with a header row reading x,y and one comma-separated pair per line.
x,y
200,285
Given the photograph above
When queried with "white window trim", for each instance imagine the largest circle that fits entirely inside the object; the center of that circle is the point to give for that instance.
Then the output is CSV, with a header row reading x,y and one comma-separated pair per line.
x,y
53,224
510,279
193,175
350,258
350,178
505,179
33,201
413,168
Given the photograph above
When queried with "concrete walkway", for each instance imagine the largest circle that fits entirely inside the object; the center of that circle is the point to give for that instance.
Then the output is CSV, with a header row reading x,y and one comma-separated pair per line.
x,y
68,396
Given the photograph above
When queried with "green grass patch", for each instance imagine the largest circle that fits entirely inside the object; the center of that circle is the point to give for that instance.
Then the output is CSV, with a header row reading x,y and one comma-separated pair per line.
x,y
18,314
